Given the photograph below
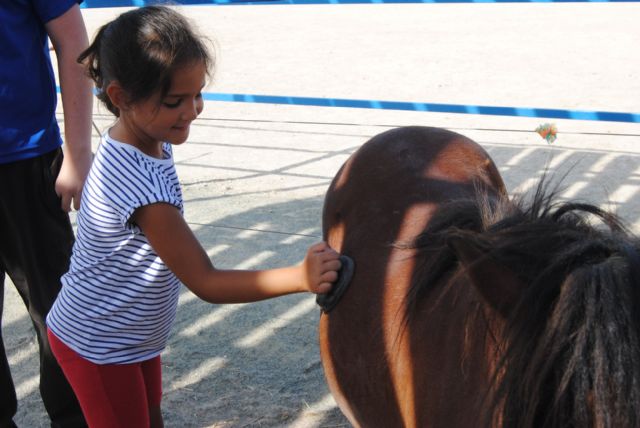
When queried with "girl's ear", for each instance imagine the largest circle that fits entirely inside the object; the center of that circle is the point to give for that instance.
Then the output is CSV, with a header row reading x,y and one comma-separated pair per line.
x,y
117,96
498,285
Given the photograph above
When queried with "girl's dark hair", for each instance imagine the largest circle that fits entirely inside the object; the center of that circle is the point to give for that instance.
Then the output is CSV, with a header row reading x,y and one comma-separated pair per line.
x,y
140,50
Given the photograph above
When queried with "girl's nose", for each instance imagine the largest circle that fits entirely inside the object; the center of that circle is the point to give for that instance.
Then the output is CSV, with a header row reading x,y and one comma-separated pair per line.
x,y
193,109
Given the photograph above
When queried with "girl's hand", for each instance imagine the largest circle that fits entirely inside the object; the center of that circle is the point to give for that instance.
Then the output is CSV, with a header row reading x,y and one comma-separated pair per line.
x,y
320,268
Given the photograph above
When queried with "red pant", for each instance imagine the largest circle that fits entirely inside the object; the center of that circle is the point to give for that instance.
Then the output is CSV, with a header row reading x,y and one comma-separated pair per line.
x,y
111,395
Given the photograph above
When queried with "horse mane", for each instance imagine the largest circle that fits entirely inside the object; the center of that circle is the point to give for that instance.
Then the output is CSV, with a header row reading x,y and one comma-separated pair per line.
x,y
570,351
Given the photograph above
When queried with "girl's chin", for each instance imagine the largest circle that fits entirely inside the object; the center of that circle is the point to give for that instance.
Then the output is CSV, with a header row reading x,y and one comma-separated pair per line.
x,y
178,136
175,142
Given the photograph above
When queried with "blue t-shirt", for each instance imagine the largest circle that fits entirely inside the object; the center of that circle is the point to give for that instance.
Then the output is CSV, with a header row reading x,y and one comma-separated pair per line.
x,y
28,125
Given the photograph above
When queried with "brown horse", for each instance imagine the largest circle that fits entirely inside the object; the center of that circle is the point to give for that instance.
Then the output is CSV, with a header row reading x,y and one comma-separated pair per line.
x,y
468,308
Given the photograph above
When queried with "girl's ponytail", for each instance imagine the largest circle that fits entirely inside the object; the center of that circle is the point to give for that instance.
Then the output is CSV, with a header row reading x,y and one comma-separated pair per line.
x,y
92,60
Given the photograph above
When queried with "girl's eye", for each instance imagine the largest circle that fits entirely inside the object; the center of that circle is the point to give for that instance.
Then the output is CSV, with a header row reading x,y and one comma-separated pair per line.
x,y
172,105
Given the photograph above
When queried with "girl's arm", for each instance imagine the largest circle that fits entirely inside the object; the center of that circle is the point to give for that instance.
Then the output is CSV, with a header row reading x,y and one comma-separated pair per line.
x,y
177,246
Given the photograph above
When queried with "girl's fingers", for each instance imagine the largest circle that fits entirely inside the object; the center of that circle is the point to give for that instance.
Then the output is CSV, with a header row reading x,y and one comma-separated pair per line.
x,y
325,282
332,265
323,288
328,255
329,264
329,276
318,247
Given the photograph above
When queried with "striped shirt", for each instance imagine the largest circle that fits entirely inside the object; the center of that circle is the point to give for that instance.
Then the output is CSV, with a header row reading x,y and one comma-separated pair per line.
x,y
118,299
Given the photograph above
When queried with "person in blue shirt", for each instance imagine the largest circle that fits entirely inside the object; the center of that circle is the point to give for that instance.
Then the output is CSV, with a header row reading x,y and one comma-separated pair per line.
x,y
38,183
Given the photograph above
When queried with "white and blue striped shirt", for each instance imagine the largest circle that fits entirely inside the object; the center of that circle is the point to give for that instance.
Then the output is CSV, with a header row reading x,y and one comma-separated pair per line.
x,y
118,299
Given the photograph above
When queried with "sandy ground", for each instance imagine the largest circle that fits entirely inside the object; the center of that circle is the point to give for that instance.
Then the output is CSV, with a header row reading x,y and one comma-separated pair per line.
x,y
254,176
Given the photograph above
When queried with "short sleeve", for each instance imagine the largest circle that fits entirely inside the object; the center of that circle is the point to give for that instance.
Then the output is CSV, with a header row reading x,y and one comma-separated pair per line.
x,y
128,180
51,9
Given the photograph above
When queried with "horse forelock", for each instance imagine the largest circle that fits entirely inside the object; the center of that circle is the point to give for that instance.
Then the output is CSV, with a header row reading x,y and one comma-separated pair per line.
x,y
571,346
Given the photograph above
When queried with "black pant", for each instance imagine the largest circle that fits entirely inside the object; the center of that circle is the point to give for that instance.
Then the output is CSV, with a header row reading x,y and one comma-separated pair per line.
x,y
36,238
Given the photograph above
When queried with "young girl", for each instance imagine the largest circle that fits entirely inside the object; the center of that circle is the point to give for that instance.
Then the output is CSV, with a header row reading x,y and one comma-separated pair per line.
x,y
112,318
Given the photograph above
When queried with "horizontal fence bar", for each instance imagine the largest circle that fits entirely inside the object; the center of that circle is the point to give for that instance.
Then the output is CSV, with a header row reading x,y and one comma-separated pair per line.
x,y
549,113
88,4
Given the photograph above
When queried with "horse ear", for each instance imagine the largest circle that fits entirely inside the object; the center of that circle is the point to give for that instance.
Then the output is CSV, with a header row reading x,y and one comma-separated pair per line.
x,y
499,286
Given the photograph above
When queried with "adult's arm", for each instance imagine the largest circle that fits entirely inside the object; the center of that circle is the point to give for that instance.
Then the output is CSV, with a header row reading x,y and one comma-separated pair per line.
x,y
68,36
